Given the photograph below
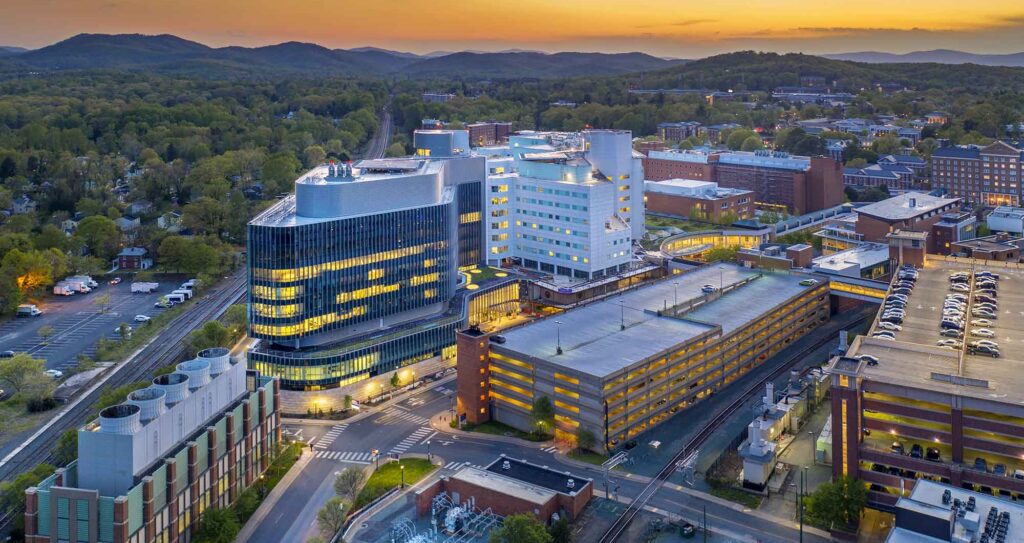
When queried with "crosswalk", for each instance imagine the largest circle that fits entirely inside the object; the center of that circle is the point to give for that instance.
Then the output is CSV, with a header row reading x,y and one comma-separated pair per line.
x,y
550,449
328,438
443,390
351,457
394,415
456,466
410,441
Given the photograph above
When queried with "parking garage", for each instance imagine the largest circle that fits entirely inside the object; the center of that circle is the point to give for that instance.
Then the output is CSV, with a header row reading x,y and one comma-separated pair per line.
x,y
907,408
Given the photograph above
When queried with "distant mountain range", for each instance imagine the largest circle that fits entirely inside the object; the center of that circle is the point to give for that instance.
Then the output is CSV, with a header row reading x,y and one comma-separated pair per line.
x,y
941,56
171,54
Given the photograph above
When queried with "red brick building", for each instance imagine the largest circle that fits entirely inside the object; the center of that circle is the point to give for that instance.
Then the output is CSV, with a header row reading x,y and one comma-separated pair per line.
x,y
488,133
797,184
509,486
910,212
704,199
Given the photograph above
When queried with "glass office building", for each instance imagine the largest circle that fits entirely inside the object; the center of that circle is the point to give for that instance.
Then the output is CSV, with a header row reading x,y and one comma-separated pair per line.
x,y
355,274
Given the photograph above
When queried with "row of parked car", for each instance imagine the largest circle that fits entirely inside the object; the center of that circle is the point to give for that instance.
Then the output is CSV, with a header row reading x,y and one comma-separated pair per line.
x,y
984,310
894,308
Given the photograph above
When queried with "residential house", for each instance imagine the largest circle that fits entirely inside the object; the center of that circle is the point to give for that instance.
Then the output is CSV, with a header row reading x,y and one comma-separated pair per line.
x,y
23,204
133,258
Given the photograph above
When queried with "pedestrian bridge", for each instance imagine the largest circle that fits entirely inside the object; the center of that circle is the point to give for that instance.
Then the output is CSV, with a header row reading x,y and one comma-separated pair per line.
x,y
857,288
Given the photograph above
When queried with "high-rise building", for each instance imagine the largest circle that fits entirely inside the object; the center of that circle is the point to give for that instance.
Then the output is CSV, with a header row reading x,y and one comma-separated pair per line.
x,y
570,204
147,469
489,132
354,275
990,175
794,183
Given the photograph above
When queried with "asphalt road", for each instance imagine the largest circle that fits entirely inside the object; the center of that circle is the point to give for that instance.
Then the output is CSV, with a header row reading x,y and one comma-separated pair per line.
x,y
379,144
77,323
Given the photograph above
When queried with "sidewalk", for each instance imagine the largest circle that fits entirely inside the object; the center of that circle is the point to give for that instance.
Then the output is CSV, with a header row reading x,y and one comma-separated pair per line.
x,y
440,422
271,500
367,411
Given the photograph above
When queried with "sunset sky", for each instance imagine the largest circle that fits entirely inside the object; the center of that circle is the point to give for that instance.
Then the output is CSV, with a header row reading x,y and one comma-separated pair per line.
x,y
678,28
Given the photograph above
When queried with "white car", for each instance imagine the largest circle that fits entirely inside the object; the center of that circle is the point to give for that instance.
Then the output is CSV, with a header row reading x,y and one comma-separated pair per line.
x,y
54,374
983,322
709,288
983,332
142,318
949,343
960,287
986,342
892,327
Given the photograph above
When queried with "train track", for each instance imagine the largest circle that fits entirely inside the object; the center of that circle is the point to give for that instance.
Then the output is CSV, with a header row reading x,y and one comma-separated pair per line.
x,y
633,509
166,348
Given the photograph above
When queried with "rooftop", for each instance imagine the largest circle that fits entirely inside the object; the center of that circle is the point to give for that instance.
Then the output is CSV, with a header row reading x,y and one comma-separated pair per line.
x,y
540,476
593,342
906,206
863,256
915,360
926,499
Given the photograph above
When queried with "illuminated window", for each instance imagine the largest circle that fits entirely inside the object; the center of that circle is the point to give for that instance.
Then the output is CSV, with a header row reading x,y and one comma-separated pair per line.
x,y
375,273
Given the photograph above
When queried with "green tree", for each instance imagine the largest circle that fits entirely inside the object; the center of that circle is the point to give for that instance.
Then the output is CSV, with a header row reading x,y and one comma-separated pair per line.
x,y
12,493
736,138
218,525
331,517
396,381
543,414
560,531
278,172
752,143
44,332
24,376
721,253
395,150
99,235
348,482
585,439
521,528
348,402
211,334
838,503
65,450
313,156
124,331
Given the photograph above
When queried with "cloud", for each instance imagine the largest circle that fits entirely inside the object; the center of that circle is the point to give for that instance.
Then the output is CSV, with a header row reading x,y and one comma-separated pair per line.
x,y
680,23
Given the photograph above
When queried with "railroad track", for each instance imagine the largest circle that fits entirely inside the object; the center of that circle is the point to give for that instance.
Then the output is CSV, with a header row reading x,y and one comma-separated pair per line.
x,y
164,349
633,509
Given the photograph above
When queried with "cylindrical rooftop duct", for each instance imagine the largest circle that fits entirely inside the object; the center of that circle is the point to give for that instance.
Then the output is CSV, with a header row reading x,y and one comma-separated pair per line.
x,y
218,358
198,372
175,385
150,400
120,419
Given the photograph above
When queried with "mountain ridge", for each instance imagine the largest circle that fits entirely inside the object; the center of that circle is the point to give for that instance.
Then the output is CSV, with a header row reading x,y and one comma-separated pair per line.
x,y
940,56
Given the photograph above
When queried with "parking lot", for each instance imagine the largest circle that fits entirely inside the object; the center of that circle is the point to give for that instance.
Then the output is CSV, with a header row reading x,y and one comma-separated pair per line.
x,y
77,323
924,313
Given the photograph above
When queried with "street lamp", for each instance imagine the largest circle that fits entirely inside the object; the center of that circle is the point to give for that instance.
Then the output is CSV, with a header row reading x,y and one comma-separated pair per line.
x,y
558,337
401,469
428,450
622,315
675,294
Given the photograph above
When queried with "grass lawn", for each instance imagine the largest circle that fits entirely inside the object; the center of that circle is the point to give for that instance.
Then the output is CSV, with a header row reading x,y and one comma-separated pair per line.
x,y
389,476
657,221
16,419
734,494
485,274
498,429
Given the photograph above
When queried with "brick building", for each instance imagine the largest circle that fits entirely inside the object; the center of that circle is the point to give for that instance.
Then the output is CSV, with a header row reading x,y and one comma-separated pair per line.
x,y
488,133
913,211
701,199
510,486
990,175
916,411
797,184
147,469
678,131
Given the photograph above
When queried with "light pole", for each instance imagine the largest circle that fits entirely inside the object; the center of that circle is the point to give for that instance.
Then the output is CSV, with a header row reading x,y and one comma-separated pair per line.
x,y
376,457
622,315
401,469
800,504
675,294
428,450
558,337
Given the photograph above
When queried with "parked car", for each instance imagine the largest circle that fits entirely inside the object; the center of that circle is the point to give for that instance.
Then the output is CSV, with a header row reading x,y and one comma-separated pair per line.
x,y
960,287
951,332
115,281
871,360
896,447
7,354
951,343
809,282
142,318
892,327
987,342
982,322
709,288
983,332
932,454
916,451
980,464
54,374
983,349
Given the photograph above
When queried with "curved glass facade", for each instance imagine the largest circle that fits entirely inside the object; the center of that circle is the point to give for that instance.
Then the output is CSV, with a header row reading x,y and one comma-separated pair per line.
x,y
308,279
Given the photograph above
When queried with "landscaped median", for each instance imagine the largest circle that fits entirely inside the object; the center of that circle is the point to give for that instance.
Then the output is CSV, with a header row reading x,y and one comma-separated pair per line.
x,y
389,476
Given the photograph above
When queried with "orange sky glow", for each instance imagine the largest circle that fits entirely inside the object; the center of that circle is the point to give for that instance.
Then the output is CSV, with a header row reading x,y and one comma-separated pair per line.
x,y
678,28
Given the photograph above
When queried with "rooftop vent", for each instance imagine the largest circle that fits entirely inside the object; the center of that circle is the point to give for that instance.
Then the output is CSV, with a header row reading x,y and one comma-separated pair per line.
x,y
198,372
570,484
175,385
218,357
120,419
151,402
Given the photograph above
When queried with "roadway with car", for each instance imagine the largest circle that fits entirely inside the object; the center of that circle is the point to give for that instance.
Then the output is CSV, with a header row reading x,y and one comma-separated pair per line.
x,y
77,322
